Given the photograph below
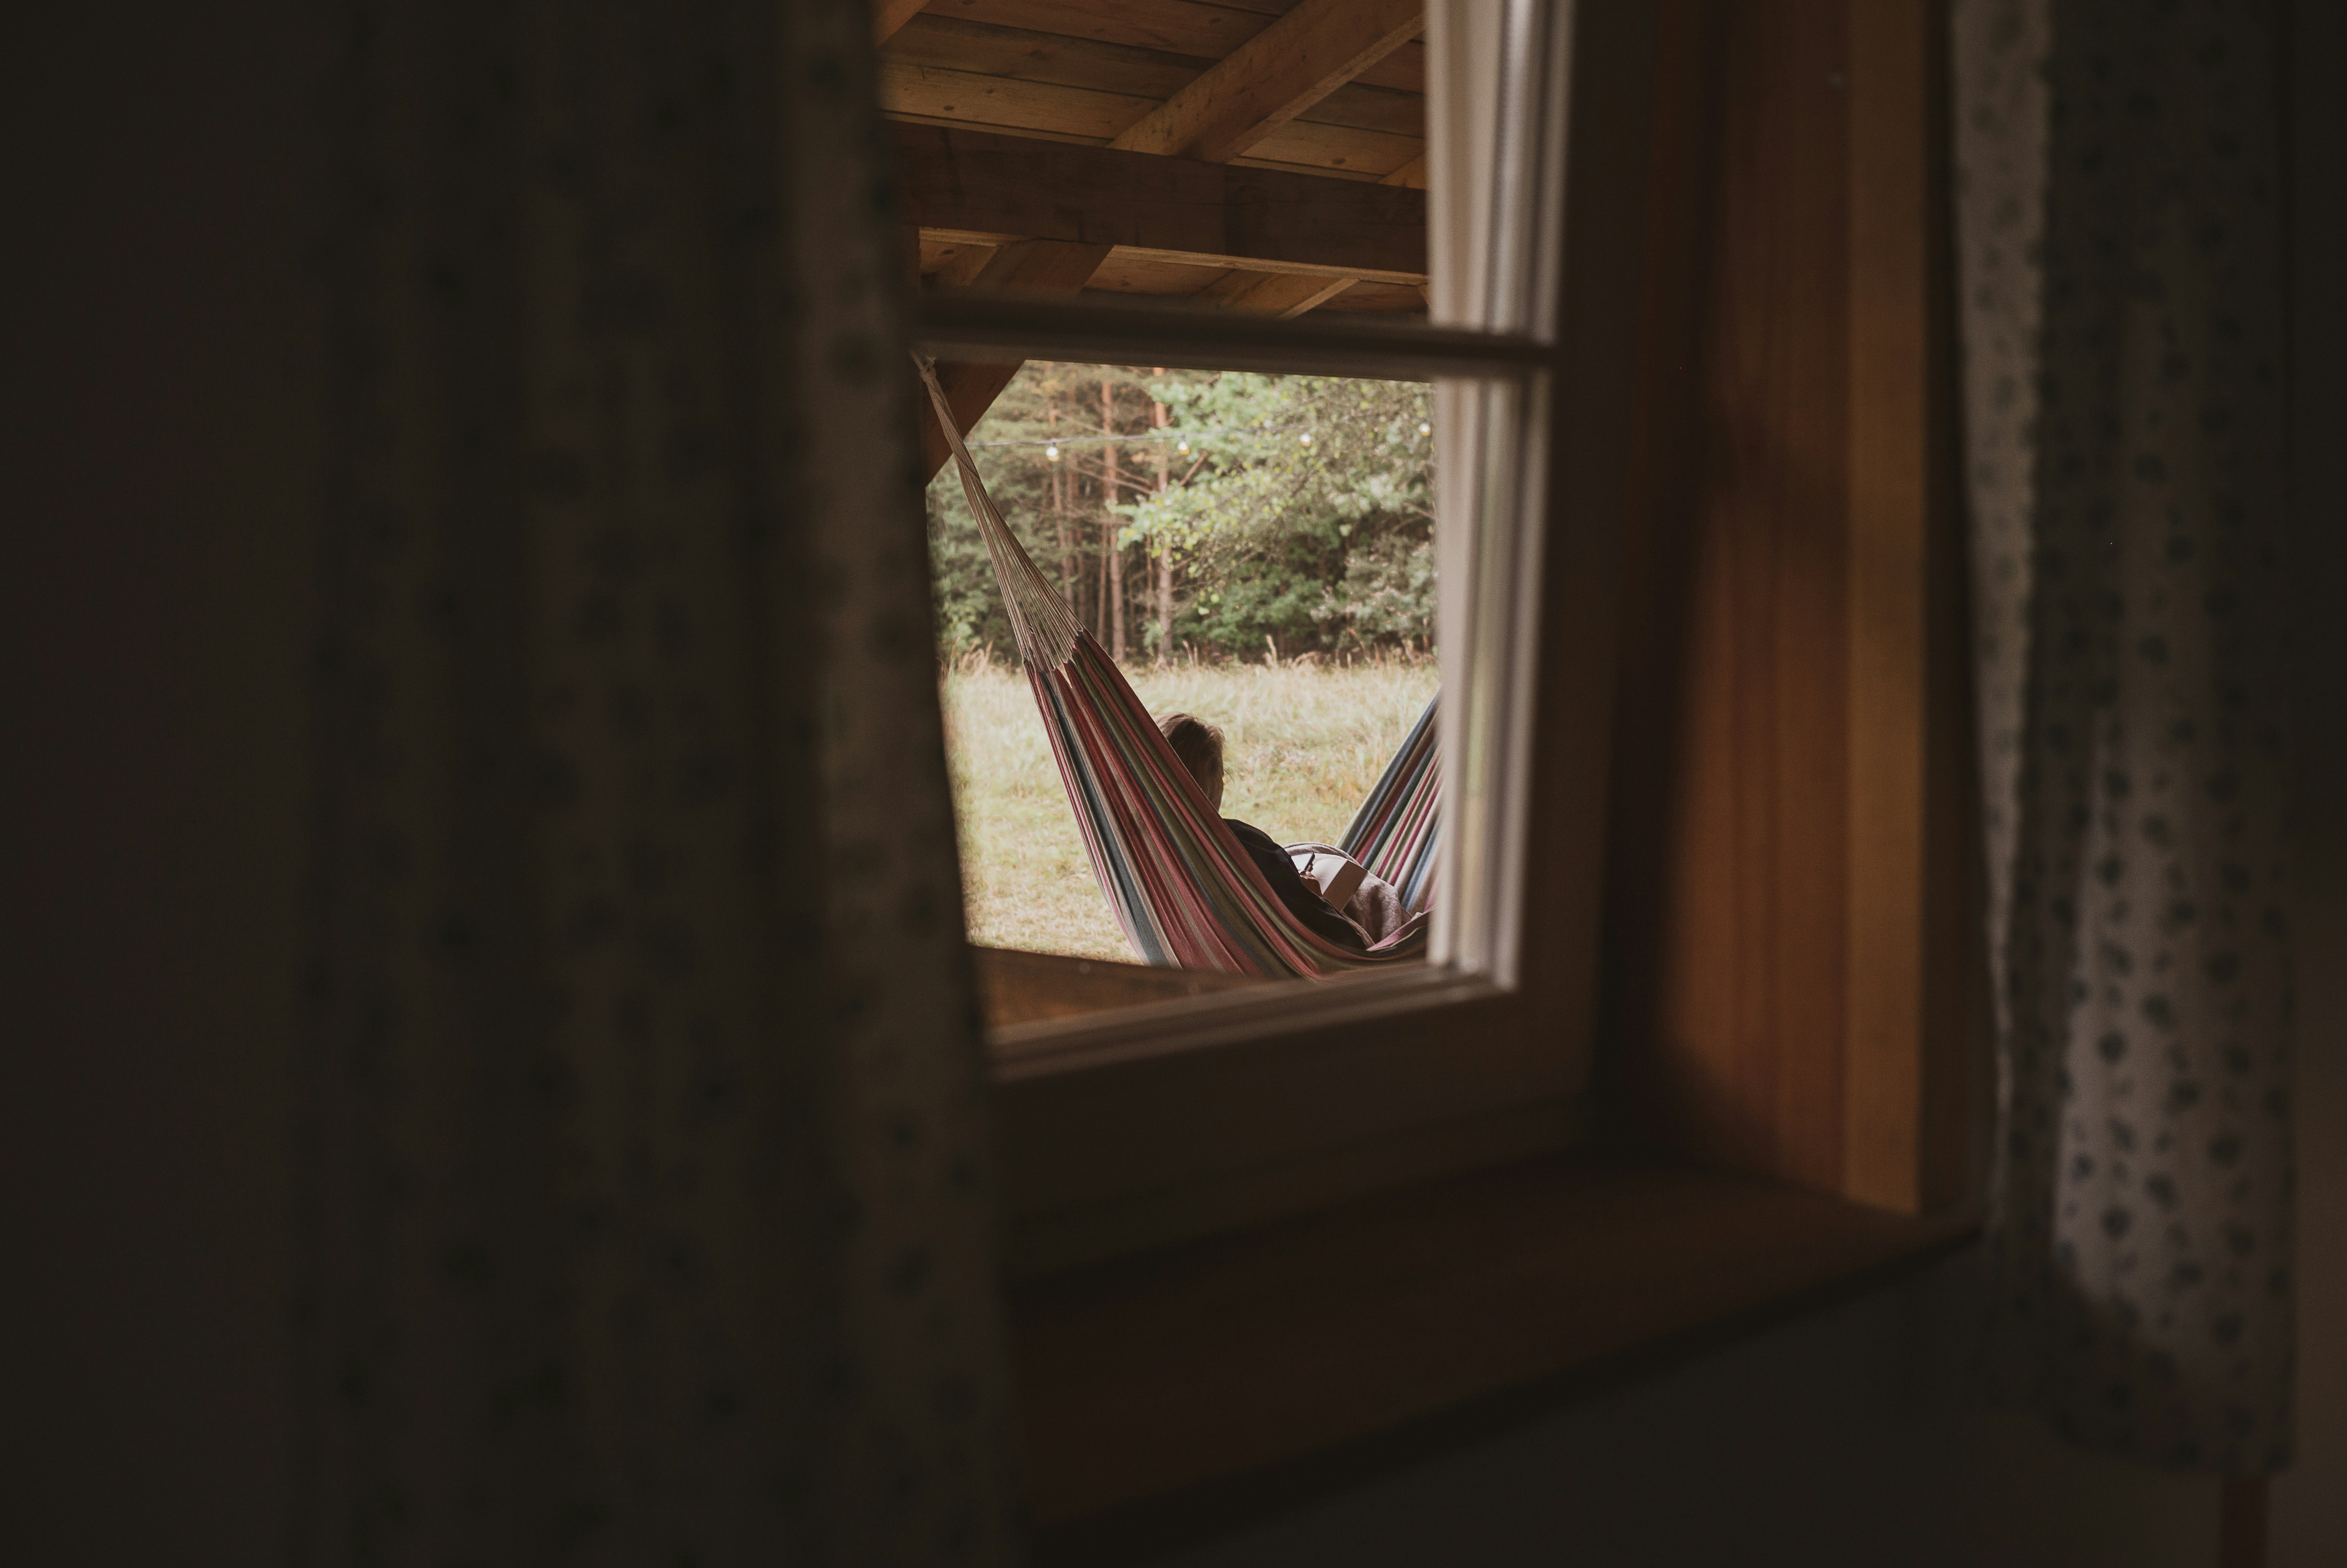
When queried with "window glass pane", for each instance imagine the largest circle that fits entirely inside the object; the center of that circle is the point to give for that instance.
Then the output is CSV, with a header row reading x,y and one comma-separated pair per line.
x,y
1256,550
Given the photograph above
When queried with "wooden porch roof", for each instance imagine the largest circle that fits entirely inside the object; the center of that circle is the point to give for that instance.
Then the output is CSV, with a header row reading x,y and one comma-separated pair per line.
x,y
1325,97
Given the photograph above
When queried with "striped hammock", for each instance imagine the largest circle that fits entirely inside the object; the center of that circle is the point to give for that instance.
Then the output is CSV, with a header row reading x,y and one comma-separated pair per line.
x,y
1185,894
1393,834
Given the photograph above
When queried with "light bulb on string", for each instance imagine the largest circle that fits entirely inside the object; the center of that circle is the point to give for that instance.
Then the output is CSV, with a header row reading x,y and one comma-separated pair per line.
x,y
1305,438
1424,429
1184,446
1052,452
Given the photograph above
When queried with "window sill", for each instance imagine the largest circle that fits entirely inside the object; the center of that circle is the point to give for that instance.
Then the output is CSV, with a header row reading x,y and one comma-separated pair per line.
x,y
1178,1395
1017,987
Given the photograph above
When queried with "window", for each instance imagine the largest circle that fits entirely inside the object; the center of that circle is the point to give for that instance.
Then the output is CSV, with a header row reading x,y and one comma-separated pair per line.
x,y
1745,688
1198,1110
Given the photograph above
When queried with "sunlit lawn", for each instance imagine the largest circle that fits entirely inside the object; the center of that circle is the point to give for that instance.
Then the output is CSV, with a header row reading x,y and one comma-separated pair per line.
x,y
1303,744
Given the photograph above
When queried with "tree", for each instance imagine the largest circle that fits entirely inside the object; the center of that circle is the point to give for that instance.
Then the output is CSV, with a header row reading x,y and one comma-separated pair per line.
x,y
1293,508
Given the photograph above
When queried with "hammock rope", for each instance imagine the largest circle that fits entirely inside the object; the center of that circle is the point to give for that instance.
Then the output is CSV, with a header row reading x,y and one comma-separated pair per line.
x,y
1181,887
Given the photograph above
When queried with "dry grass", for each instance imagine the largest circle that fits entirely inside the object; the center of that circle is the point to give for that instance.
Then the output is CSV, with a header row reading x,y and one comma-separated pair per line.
x,y
1303,745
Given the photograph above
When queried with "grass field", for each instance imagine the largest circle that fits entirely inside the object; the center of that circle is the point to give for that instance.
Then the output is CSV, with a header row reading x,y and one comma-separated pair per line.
x,y
1303,744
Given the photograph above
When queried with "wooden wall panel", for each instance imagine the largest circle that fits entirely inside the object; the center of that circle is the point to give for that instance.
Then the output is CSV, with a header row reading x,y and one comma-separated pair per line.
x,y
1753,973
1785,909
1889,505
1911,957
1955,984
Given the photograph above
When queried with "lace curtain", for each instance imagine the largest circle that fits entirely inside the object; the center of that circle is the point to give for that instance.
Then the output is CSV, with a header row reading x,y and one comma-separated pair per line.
x,y
645,1202
2120,288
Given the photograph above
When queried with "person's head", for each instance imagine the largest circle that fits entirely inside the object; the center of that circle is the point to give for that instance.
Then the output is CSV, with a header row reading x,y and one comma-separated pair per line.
x,y
1199,745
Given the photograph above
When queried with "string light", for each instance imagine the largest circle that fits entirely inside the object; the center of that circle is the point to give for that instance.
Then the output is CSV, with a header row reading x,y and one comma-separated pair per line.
x,y
1424,429
1184,447
1305,438
1052,452
1123,438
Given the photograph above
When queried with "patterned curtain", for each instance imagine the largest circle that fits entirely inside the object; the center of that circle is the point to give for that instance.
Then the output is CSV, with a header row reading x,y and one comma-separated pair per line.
x,y
2120,294
646,1210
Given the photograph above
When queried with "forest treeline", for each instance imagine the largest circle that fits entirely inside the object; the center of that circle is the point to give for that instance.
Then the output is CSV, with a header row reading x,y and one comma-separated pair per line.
x,y
1196,513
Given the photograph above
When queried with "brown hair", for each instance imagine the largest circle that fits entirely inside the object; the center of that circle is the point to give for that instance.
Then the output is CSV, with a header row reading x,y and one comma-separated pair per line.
x,y
1199,745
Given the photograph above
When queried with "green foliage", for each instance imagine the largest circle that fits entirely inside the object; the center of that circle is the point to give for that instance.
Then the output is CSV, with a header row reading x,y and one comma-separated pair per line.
x,y
1296,510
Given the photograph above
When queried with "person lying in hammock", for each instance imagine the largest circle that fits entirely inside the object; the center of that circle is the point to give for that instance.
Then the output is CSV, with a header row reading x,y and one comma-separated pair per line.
x,y
1373,911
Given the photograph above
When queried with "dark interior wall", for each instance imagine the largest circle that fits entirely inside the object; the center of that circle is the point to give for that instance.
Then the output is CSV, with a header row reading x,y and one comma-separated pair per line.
x,y
158,474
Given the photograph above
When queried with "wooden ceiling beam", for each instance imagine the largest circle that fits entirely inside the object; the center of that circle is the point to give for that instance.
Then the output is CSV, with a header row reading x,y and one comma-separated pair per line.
x,y
970,388
934,42
994,186
1202,31
1163,189
1281,294
889,16
962,273
1027,266
1411,174
1274,76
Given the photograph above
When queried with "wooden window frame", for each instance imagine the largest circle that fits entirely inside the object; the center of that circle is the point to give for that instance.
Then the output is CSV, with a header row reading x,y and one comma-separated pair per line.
x,y
1128,1129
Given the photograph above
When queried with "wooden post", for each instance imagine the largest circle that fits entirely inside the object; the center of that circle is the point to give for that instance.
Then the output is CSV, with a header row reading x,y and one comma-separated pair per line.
x,y
1112,559
1100,598
1165,550
1059,509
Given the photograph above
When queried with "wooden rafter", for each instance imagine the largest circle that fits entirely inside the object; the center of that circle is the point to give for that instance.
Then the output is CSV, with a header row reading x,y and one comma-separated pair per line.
x,y
889,16
990,187
971,386
934,42
1041,212
1411,174
1282,294
1029,266
1194,29
1274,76
1040,267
